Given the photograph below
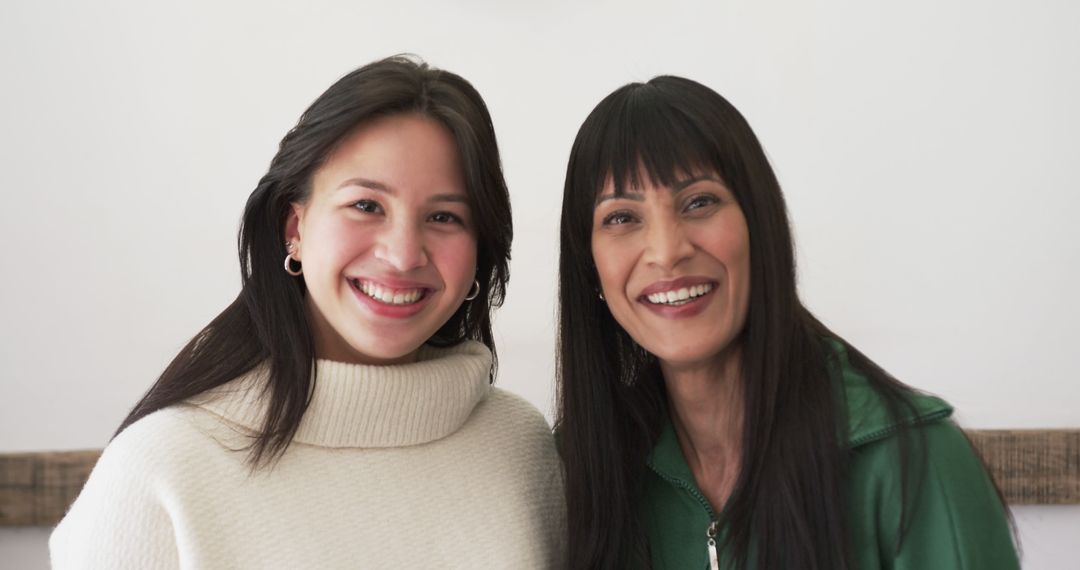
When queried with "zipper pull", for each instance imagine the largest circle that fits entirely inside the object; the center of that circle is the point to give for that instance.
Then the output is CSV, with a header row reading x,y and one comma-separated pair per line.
x,y
710,533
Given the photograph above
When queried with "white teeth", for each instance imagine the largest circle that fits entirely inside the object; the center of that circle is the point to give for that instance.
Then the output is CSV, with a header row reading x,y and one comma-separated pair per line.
x,y
679,296
390,296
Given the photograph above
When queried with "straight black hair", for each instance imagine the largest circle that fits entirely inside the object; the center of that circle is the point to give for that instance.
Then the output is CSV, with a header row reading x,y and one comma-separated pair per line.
x,y
788,507
267,322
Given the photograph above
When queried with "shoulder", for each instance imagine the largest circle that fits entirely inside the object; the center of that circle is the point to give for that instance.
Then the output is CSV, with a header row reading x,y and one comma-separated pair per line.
x,y
508,433
520,458
149,442
944,512
513,408
940,444
156,452
919,495
121,517
510,420
172,438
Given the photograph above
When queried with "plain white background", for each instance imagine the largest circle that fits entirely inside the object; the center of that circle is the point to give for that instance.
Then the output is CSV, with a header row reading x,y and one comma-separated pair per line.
x,y
928,151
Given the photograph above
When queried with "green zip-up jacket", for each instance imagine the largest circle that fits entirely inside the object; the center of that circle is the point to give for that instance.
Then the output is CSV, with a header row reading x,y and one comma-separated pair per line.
x,y
957,521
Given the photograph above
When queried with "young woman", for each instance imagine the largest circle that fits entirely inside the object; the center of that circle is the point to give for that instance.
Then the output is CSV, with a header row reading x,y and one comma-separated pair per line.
x,y
706,419
339,413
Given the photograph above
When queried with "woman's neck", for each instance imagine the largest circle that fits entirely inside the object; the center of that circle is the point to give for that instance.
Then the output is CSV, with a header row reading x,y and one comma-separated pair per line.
x,y
706,403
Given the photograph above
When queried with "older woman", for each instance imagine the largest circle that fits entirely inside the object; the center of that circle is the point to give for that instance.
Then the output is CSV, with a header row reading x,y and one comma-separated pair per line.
x,y
706,418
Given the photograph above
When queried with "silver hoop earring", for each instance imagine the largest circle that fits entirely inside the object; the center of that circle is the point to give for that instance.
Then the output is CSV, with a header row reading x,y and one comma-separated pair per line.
x,y
288,266
474,291
601,295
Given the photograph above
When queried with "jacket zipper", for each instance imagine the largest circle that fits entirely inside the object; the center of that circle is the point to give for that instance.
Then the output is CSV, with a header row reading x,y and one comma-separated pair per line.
x,y
710,534
710,531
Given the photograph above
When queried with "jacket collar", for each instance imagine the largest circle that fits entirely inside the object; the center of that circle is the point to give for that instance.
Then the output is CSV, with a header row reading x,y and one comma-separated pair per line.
x,y
868,418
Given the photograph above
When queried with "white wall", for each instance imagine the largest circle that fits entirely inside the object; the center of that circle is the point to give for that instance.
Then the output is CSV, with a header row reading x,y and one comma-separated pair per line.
x,y
927,148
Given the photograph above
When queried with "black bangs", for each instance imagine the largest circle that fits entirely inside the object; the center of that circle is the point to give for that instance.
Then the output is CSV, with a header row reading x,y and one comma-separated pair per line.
x,y
645,132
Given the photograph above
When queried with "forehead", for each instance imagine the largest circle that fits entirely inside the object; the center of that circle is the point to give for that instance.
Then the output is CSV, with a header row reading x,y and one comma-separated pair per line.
x,y
399,151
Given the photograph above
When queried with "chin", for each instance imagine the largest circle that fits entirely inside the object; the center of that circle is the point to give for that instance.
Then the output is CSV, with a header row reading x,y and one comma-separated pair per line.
x,y
389,353
682,357
681,354
380,348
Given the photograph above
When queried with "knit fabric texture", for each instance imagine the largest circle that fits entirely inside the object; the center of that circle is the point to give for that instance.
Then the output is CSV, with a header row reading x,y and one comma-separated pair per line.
x,y
416,465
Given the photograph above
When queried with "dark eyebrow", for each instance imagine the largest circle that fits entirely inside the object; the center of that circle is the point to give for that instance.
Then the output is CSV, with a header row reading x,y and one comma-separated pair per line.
x,y
380,187
681,185
635,196
366,183
676,187
461,198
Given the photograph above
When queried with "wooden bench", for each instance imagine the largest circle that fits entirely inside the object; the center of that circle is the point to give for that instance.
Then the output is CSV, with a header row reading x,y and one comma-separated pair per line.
x,y
1032,467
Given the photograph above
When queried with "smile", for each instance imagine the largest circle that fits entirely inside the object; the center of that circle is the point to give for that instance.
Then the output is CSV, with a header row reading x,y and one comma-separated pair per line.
x,y
681,296
388,296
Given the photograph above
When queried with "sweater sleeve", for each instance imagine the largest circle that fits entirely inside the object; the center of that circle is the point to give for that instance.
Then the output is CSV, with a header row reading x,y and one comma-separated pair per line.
x,y
117,521
955,519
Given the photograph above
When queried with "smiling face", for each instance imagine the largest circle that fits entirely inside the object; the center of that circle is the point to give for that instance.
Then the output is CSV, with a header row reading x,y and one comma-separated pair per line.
x,y
674,266
386,241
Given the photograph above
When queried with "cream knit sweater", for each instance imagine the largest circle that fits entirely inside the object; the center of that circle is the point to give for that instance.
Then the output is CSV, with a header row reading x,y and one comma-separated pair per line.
x,y
422,465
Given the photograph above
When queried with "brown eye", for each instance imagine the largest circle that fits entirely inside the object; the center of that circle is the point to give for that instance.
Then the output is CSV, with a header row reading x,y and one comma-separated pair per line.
x,y
367,206
617,218
445,218
698,202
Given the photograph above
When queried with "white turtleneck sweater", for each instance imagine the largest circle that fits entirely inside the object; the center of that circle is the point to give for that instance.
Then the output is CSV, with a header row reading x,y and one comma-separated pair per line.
x,y
422,465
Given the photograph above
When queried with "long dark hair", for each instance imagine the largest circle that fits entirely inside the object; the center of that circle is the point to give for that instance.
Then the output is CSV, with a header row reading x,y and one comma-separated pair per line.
x,y
267,322
788,507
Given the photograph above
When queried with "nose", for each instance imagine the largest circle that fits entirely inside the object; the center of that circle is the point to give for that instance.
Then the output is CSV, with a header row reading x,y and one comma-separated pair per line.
x,y
401,246
667,243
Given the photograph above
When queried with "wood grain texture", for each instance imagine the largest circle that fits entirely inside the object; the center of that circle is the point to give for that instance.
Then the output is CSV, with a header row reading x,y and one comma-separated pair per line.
x,y
37,488
1032,467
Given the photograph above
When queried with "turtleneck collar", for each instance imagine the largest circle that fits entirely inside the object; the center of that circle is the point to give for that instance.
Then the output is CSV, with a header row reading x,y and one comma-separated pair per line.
x,y
355,405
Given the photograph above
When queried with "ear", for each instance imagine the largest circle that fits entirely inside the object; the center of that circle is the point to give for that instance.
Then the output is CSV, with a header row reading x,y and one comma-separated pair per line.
x,y
293,221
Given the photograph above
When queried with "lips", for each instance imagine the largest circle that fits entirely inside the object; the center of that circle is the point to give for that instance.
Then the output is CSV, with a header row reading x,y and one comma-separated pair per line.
x,y
396,300
678,298
677,291
389,295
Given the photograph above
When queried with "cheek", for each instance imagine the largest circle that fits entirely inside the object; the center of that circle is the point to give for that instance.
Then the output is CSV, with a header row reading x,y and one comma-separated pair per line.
x,y
455,258
726,238
331,243
608,264
733,249
614,260
611,276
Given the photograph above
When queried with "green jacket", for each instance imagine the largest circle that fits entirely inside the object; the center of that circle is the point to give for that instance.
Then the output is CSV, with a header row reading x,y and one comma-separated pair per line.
x,y
957,519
